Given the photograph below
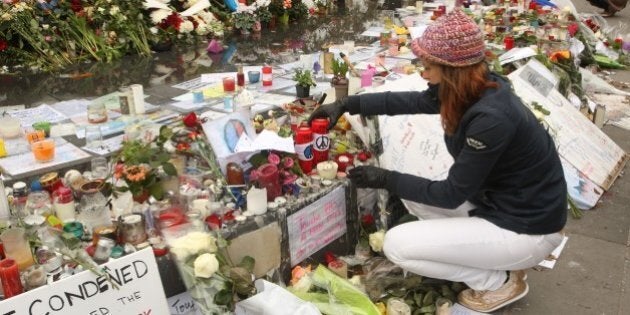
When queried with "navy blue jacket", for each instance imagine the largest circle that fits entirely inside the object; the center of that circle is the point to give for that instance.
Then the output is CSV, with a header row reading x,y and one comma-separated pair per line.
x,y
506,164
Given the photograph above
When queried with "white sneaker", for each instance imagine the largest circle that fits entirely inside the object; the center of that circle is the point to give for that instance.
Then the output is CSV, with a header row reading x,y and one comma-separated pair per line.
x,y
488,301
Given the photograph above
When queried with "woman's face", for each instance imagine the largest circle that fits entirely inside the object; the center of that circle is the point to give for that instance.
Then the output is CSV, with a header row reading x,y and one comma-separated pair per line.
x,y
431,73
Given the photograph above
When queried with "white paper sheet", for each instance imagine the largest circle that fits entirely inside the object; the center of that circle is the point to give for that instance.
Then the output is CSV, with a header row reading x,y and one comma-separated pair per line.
x,y
515,54
44,112
108,146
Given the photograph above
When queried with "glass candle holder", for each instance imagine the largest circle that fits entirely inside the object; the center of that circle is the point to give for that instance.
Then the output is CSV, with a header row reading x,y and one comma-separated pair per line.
x,y
9,127
17,248
253,76
35,135
97,113
229,84
133,229
44,150
10,278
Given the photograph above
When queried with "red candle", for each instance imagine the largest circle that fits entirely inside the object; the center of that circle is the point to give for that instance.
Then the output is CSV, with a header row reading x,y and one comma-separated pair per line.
x,y
267,76
270,178
304,148
508,41
240,77
343,161
321,141
10,278
228,84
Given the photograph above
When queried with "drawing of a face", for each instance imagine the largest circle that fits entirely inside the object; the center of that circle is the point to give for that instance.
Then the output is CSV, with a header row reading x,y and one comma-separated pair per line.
x,y
233,131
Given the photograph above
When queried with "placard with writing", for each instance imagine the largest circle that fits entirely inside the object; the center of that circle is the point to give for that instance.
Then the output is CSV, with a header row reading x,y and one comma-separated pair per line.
x,y
317,225
135,289
536,79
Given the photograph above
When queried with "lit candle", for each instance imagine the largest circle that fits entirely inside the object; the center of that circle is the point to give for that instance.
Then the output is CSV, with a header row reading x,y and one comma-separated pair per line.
x,y
44,151
327,169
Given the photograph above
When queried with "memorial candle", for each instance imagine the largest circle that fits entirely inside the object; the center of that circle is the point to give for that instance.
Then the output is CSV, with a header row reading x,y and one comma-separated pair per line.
x,y
269,178
10,278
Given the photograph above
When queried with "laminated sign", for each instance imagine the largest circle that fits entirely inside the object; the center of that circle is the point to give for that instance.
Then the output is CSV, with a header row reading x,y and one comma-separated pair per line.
x,y
317,225
134,288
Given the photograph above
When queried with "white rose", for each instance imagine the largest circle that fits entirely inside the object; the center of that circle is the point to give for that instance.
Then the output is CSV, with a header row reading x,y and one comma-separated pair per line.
x,y
158,15
192,244
376,240
186,27
114,10
206,265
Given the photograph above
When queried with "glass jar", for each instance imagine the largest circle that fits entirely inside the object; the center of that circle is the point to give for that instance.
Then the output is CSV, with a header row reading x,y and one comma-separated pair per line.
x,y
97,113
93,210
16,247
103,250
50,182
133,228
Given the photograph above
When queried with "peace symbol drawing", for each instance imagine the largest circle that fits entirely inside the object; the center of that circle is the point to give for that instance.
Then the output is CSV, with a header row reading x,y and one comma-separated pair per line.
x,y
322,143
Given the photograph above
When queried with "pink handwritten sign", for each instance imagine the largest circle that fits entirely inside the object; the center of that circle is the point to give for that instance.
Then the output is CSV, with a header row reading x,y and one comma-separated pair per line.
x,y
317,225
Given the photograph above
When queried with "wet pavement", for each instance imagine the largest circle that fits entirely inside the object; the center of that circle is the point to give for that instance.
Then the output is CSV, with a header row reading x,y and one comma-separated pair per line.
x,y
158,72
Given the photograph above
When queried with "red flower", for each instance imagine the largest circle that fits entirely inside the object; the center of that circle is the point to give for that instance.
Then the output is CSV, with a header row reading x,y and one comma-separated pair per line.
x,y
329,257
367,220
213,221
573,28
3,45
190,120
172,20
76,6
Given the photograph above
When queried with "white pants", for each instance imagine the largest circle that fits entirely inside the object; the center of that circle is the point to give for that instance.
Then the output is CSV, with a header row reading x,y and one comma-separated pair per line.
x,y
448,244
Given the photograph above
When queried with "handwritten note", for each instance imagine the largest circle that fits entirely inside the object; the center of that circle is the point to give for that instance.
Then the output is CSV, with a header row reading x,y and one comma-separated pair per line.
x,y
183,304
108,146
316,225
579,141
541,83
43,112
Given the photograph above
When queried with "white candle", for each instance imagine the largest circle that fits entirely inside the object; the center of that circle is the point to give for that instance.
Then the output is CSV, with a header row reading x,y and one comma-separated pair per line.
x,y
257,201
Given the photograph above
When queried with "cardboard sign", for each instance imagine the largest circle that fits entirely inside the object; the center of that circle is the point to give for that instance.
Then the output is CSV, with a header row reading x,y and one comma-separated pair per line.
x,y
579,141
317,225
139,292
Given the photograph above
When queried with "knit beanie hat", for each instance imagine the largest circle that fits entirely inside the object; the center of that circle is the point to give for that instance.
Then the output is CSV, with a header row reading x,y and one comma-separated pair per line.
x,y
453,40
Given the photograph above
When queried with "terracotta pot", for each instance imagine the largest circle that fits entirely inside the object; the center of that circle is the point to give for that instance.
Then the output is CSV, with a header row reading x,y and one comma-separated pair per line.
x,y
341,91
257,27
141,198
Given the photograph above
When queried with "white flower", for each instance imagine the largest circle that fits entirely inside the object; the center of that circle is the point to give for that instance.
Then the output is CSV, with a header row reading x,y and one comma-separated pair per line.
x,y
303,285
206,265
153,30
100,10
158,15
45,26
376,240
114,10
6,16
186,27
193,243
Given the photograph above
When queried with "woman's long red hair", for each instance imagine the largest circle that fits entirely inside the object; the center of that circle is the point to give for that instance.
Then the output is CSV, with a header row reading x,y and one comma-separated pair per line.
x,y
460,88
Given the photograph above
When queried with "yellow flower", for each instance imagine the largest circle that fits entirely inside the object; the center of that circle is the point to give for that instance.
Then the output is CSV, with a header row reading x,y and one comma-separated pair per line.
x,y
376,240
206,265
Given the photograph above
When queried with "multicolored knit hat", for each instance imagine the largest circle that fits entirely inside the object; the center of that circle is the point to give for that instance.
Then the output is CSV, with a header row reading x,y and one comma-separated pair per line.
x,y
453,40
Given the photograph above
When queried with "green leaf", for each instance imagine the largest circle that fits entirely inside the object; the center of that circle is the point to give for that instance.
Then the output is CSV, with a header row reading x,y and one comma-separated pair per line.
x,y
242,279
163,157
157,191
166,132
248,263
223,297
169,169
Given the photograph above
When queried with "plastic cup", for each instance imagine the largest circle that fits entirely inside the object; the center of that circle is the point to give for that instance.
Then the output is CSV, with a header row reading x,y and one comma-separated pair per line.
x,y
253,76
44,150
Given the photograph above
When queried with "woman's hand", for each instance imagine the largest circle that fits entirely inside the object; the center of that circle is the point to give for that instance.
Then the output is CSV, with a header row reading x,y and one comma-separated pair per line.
x,y
330,111
369,176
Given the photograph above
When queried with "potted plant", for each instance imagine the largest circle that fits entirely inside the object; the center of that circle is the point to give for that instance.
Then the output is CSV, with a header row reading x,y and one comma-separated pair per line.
x,y
243,21
339,80
304,80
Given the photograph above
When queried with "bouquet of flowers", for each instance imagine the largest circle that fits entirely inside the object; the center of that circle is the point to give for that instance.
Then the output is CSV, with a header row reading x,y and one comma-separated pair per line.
x,y
141,165
213,281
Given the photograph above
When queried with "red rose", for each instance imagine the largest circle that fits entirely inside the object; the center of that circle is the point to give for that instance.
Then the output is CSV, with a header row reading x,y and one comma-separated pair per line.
x,y
76,6
367,220
329,257
190,120
213,221
172,20
3,45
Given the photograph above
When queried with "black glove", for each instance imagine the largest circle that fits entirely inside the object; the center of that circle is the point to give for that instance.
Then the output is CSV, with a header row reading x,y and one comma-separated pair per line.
x,y
331,111
369,176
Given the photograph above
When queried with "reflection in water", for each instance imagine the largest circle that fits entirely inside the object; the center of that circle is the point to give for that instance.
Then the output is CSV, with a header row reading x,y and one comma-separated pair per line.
x,y
280,45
